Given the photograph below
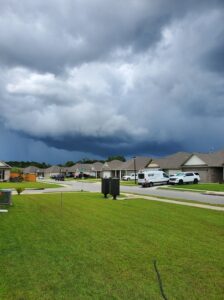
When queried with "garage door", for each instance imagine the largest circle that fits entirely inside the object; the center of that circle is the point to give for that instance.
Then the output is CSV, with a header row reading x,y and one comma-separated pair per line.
x,y
203,173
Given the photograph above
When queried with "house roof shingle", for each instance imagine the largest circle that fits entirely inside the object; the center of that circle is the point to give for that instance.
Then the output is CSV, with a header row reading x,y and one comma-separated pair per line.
x,y
215,159
98,166
54,169
173,161
141,163
30,170
3,165
112,165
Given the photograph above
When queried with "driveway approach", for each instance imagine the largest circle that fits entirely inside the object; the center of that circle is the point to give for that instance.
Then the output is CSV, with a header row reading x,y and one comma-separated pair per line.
x,y
154,191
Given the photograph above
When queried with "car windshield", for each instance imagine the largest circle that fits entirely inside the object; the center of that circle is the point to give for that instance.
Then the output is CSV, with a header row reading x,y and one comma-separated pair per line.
x,y
179,174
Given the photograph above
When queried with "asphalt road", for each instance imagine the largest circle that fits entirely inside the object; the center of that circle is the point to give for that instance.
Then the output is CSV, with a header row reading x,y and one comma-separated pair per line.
x,y
154,191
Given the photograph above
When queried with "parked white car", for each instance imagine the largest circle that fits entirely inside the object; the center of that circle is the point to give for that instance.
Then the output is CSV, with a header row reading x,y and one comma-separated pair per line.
x,y
185,177
132,176
148,178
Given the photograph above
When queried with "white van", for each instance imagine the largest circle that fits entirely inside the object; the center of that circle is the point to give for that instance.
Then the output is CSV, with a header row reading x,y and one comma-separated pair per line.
x,y
149,177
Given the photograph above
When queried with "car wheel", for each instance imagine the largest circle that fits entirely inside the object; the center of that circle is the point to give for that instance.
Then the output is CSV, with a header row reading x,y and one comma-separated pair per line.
x,y
180,181
150,184
195,181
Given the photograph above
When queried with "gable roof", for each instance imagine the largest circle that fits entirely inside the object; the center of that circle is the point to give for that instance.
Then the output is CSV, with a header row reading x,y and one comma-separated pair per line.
x,y
215,159
112,165
140,163
85,167
98,166
54,169
30,170
73,168
174,161
3,165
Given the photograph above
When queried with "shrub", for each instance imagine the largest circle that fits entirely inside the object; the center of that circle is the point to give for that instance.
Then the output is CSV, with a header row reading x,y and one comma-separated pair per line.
x,y
19,190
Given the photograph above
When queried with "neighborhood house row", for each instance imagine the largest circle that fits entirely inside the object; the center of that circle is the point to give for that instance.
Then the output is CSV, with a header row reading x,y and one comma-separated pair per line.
x,y
210,167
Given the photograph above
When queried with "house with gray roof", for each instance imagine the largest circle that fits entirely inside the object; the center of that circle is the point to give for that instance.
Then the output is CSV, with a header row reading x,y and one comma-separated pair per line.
x,y
4,171
54,171
93,170
210,166
30,170
34,170
112,169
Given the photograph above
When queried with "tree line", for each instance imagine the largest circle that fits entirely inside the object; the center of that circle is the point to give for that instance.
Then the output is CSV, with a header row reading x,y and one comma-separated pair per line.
x,y
43,165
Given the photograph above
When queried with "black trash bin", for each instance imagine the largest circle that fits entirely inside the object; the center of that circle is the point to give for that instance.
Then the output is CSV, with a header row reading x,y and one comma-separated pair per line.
x,y
5,197
105,186
115,187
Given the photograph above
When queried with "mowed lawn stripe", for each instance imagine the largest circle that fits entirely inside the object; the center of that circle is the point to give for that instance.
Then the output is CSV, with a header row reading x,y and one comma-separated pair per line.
x,y
91,248
28,185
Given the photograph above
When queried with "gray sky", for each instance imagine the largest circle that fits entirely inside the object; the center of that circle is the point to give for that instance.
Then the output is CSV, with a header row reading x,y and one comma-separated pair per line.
x,y
92,78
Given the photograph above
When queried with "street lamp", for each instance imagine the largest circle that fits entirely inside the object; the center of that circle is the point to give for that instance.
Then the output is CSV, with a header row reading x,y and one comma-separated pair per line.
x,y
135,167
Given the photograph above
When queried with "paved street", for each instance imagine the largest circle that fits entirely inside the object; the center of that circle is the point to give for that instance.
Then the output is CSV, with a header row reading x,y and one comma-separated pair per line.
x,y
155,191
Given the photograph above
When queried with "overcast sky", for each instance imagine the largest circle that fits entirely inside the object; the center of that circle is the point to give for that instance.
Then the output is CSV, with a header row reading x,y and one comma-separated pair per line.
x,y
92,78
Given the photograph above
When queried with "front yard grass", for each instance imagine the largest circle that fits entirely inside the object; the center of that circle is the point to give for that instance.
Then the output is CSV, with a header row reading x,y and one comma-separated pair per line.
x,y
213,187
27,185
85,247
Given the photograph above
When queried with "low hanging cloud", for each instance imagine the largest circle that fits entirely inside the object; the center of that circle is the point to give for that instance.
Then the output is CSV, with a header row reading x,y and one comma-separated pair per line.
x,y
144,80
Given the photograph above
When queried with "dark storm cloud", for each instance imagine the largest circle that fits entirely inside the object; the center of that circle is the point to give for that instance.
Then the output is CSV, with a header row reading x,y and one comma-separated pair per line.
x,y
109,77
214,59
48,36
113,146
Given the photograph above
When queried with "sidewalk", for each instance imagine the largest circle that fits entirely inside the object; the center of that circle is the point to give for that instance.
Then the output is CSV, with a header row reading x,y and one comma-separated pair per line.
x,y
218,208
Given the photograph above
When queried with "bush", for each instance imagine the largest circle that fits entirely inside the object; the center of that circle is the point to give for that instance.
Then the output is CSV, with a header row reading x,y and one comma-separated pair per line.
x,y
19,190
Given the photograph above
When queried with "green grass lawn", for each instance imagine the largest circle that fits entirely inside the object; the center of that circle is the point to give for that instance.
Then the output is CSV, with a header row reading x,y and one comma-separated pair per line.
x,y
217,187
91,248
27,185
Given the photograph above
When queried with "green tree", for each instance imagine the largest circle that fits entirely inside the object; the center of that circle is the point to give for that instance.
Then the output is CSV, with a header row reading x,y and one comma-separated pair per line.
x,y
116,157
69,163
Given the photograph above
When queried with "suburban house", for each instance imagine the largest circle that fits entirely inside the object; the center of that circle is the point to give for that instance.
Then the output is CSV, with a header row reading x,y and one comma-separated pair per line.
x,y
30,170
135,164
112,169
4,171
54,171
170,164
210,166
97,168
86,169
93,170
